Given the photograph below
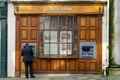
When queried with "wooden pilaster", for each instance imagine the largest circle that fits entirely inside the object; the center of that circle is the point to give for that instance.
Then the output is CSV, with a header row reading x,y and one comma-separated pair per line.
x,y
17,53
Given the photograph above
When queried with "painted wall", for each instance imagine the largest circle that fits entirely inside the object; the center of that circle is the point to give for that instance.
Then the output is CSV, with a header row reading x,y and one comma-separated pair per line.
x,y
105,39
11,41
116,23
3,39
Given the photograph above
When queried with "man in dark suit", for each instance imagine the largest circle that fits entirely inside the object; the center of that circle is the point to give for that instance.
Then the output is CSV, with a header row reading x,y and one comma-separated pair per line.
x,y
27,54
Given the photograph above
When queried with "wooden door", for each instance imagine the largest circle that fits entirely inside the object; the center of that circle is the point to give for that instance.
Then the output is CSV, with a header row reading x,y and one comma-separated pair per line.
x,y
89,30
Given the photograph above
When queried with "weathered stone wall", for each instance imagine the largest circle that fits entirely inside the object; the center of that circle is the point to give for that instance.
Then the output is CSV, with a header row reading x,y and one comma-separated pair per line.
x,y
116,23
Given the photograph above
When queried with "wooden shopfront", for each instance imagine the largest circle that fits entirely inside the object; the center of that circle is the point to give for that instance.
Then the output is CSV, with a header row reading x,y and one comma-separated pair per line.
x,y
66,37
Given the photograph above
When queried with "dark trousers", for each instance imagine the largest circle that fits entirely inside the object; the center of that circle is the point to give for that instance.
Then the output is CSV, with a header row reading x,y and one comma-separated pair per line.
x,y
28,64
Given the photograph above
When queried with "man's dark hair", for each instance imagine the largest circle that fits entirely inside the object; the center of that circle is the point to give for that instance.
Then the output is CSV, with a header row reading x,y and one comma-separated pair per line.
x,y
26,44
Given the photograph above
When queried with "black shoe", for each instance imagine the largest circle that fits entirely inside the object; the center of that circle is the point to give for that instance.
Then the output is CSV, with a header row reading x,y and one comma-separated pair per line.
x,y
26,77
32,76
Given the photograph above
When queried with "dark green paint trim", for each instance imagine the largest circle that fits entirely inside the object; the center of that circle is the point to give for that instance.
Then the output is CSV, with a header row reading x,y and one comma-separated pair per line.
x,y
111,32
3,46
3,10
2,4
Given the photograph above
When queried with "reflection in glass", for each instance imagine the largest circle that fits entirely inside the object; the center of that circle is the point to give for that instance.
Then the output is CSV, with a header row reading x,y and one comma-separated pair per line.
x,y
53,49
75,36
75,22
69,36
69,49
63,37
53,22
41,49
46,49
58,35
75,49
63,49
53,36
46,22
41,36
41,22
46,36
63,22
70,22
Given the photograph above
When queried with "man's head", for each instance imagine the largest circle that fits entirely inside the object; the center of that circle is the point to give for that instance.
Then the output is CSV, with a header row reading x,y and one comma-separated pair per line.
x,y
27,45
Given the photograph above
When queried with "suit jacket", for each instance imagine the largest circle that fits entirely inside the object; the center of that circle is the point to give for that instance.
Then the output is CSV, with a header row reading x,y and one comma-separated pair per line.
x,y
27,54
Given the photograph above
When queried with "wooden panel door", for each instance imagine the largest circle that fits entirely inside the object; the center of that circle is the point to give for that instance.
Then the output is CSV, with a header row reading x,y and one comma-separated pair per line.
x,y
28,28
29,34
89,30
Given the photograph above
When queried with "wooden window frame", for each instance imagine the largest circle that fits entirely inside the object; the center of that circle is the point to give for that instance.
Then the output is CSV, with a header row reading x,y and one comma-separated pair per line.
x,y
73,55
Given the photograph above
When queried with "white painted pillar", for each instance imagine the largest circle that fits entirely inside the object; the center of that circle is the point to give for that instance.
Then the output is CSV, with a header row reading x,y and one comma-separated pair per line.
x,y
105,38
11,41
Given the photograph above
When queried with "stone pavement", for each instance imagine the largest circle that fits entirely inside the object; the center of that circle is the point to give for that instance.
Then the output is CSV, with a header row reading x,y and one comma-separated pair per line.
x,y
67,77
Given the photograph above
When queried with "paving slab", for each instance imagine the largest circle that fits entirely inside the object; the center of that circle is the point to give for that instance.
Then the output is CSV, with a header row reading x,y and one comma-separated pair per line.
x,y
66,77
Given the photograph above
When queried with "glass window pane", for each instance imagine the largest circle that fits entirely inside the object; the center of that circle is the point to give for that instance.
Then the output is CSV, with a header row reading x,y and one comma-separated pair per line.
x,y
41,36
75,22
46,49
46,36
69,36
53,49
41,49
63,49
46,22
41,22
75,49
63,37
70,22
69,49
75,36
53,22
53,36
63,22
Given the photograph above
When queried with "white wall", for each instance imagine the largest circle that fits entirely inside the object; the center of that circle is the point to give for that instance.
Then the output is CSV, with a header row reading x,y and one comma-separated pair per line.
x,y
105,39
11,41
116,22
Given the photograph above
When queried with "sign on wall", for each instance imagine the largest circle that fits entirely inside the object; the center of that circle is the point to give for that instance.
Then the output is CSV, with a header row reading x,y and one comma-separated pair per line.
x,y
41,9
